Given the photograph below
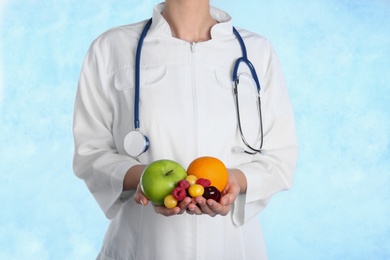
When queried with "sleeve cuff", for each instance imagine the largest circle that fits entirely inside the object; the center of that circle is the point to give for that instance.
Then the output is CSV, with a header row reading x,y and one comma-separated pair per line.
x,y
118,195
248,205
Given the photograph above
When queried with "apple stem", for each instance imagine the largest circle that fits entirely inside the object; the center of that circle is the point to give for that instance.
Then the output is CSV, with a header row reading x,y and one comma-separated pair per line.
x,y
169,172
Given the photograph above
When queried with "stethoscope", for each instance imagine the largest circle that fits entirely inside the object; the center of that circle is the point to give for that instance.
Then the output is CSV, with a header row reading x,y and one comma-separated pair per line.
x,y
136,143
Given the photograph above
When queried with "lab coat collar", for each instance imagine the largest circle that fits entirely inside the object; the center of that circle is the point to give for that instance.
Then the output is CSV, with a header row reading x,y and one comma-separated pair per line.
x,y
161,27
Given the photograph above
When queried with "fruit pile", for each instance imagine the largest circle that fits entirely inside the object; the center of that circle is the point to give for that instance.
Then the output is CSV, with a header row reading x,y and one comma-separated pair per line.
x,y
193,187
166,182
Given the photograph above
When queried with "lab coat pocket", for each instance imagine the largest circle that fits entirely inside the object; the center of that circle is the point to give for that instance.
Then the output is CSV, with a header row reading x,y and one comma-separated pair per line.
x,y
224,79
149,77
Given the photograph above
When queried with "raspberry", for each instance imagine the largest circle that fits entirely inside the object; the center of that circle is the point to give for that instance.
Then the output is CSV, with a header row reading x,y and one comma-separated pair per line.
x,y
179,193
204,182
184,184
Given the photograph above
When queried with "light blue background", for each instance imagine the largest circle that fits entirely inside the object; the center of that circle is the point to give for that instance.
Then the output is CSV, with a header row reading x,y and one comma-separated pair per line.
x,y
336,59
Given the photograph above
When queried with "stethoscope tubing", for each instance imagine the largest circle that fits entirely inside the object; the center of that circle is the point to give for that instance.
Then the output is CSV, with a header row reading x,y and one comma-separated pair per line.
x,y
240,126
137,73
244,59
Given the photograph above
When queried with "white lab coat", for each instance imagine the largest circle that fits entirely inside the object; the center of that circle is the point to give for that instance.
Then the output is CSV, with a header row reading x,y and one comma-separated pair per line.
x,y
187,110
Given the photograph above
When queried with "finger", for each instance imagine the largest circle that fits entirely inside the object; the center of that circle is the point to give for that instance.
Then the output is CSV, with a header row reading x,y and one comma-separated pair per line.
x,y
165,211
227,199
184,204
144,201
141,201
140,198
204,207
179,209
190,212
193,209
218,208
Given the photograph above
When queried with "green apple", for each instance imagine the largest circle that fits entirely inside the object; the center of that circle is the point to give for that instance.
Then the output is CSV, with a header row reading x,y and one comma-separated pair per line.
x,y
160,178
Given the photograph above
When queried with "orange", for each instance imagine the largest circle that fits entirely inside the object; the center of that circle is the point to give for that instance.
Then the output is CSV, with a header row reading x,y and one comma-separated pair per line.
x,y
210,168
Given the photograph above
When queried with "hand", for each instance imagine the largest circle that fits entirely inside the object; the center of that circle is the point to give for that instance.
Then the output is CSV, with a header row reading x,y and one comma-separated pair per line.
x,y
179,209
200,205
139,196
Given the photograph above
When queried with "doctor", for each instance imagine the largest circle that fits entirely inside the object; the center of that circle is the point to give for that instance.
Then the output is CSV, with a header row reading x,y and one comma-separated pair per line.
x,y
187,109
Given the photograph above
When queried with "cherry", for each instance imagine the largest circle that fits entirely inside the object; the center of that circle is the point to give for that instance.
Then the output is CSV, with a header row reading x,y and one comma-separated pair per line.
x,y
212,192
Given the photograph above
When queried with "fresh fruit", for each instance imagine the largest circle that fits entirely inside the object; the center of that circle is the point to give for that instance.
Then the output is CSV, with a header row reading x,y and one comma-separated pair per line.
x,y
170,202
179,193
204,182
196,190
184,184
210,168
160,178
191,179
212,193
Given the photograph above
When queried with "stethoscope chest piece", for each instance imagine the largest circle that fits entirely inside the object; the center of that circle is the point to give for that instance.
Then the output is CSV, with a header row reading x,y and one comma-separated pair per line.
x,y
136,143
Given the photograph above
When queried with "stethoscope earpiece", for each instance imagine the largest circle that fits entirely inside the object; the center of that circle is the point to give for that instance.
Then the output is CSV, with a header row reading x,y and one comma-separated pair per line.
x,y
136,143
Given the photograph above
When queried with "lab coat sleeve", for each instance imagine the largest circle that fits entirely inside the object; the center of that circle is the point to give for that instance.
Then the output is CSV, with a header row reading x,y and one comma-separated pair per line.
x,y
273,171
96,159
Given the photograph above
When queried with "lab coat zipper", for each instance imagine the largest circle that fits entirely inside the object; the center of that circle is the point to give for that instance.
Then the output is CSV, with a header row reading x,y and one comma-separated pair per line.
x,y
194,92
194,221
193,46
